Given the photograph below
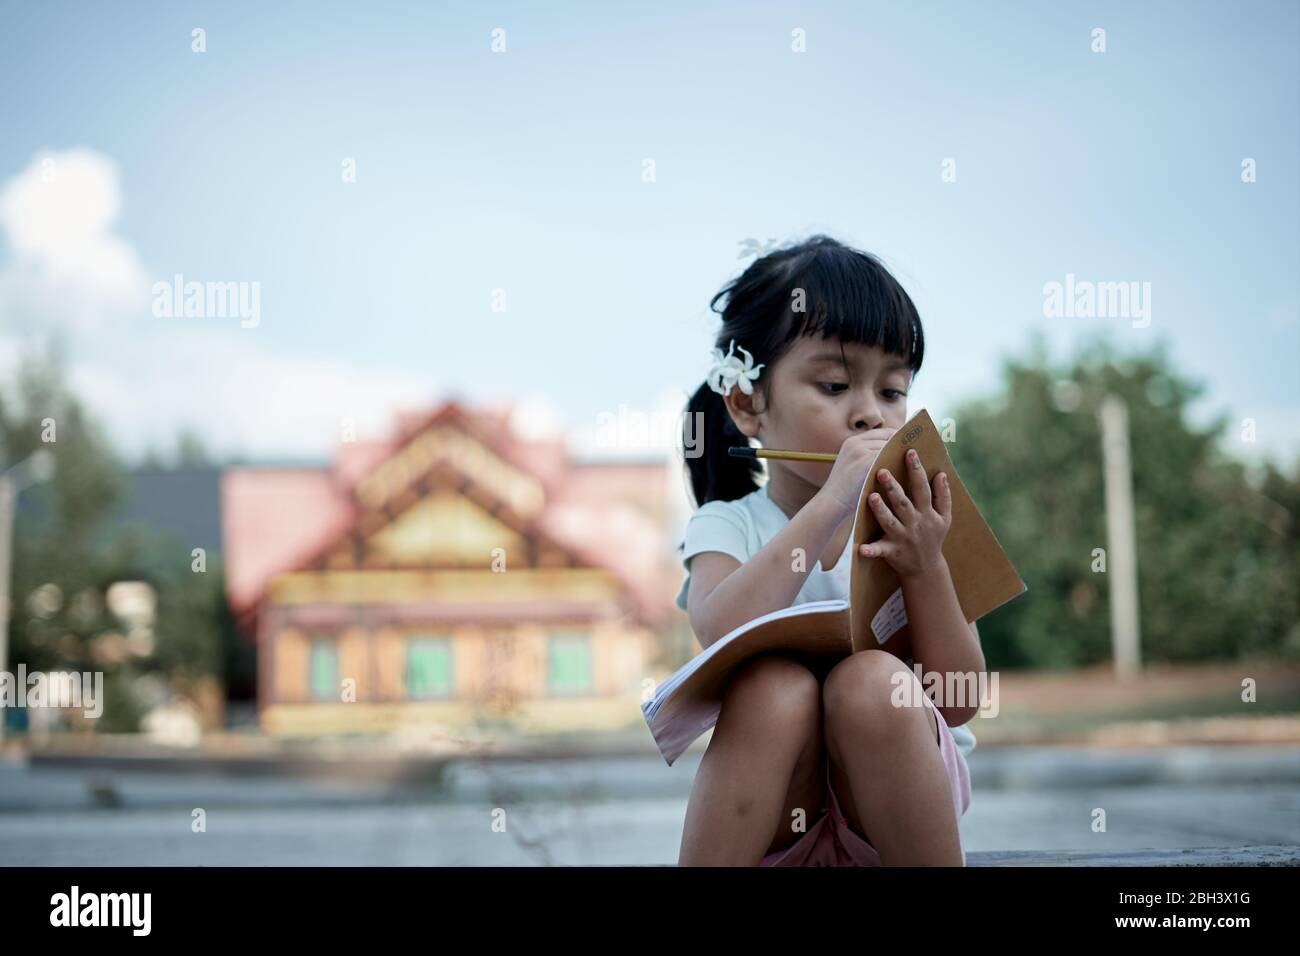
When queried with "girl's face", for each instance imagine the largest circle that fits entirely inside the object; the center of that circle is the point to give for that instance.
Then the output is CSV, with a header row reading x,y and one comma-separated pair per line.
x,y
816,401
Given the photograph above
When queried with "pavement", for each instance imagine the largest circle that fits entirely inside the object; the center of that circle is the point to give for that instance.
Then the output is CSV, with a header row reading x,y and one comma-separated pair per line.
x,y
621,766
1223,804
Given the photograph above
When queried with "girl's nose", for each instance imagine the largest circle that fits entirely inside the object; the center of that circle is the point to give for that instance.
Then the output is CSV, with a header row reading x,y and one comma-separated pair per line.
x,y
865,412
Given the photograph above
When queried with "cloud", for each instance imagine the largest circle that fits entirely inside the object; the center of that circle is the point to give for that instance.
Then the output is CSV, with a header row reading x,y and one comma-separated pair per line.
x,y
632,432
239,397
56,216
535,417
146,378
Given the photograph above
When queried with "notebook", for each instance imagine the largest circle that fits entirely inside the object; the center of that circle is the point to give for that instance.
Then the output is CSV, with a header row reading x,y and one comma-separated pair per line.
x,y
688,703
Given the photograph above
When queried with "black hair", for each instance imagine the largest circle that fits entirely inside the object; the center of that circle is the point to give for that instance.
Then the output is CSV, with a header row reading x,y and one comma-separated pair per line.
x,y
847,294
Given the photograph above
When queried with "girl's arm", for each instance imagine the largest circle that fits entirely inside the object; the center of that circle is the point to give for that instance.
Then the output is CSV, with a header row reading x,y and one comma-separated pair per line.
x,y
942,639
915,524
724,594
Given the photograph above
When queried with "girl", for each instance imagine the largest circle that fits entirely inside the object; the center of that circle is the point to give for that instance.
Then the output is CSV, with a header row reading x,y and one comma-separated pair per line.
x,y
809,764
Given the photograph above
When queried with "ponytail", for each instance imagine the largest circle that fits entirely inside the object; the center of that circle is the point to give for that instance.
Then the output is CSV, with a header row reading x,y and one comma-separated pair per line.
x,y
707,433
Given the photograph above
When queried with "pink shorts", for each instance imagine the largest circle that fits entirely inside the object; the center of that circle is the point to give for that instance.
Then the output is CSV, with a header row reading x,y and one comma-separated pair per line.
x,y
831,841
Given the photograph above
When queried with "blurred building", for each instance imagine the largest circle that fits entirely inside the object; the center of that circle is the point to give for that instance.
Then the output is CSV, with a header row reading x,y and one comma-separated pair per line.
x,y
455,574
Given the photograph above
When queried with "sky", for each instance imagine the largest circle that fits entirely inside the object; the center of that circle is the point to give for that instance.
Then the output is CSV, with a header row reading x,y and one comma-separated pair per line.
x,y
546,196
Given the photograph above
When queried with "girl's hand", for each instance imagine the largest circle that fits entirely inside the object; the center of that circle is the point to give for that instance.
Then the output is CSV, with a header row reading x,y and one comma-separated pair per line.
x,y
914,529
849,472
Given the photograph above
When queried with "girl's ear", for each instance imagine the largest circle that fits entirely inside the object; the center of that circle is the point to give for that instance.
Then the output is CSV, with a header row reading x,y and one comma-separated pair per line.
x,y
742,409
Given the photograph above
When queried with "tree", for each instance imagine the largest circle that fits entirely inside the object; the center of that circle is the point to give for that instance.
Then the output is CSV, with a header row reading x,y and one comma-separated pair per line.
x,y
67,554
190,452
1217,558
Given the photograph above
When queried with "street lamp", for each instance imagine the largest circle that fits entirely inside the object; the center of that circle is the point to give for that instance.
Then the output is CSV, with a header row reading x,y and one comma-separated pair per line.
x,y
36,467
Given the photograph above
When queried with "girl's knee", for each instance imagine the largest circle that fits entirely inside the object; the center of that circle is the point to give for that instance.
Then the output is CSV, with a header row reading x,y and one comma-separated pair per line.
x,y
779,686
869,690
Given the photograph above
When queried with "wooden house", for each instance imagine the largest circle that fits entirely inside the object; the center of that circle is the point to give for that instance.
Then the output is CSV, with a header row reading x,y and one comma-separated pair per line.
x,y
453,576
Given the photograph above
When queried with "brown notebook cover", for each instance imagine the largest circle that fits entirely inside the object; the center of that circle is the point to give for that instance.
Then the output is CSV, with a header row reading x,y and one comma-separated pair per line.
x,y
982,574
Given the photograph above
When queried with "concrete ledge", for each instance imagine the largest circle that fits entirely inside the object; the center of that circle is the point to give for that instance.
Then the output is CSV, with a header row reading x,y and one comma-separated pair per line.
x,y
1196,856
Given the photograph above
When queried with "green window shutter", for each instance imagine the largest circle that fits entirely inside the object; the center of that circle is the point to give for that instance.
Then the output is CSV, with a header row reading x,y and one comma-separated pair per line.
x,y
428,666
568,666
323,669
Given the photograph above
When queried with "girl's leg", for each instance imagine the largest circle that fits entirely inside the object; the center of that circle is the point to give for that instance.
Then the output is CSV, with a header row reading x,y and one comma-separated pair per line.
x,y
899,797
764,757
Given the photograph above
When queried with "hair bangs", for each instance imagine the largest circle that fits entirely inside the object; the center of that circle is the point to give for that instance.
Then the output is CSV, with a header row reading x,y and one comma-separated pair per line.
x,y
849,295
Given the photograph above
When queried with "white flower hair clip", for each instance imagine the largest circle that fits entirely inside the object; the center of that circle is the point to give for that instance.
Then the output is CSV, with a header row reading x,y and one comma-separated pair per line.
x,y
727,371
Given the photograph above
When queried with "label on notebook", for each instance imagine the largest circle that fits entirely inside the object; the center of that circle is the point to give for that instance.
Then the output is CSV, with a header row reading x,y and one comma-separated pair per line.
x,y
890,618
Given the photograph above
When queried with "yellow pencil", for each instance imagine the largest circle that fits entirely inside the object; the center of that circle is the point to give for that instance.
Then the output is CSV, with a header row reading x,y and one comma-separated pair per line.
x,y
741,451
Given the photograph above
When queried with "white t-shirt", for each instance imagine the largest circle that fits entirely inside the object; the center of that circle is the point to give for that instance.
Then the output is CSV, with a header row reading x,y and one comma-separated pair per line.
x,y
740,528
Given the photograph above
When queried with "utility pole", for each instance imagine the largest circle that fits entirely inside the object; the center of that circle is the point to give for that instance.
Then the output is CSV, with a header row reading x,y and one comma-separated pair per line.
x,y
39,466
1121,536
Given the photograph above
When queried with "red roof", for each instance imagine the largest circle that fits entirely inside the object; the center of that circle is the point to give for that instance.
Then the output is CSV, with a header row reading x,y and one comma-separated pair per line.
x,y
273,520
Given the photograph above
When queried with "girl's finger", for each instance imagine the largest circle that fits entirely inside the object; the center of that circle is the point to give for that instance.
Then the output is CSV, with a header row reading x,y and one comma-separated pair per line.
x,y
898,500
888,522
942,495
877,549
919,482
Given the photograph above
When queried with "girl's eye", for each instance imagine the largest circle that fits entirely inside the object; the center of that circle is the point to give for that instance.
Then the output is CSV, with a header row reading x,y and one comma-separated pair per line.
x,y
891,394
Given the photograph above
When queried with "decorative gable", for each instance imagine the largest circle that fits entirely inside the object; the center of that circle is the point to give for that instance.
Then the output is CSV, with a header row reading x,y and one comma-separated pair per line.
x,y
442,529
444,499
408,469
